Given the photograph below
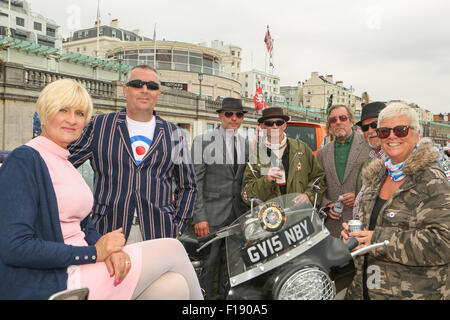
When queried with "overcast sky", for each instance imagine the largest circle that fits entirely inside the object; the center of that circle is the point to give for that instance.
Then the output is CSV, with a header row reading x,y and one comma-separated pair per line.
x,y
391,49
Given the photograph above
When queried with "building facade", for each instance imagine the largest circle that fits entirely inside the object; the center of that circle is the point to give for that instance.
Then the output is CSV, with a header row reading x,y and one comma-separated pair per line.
x,y
270,85
318,89
208,71
183,66
21,23
424,115
26,71
84,41
292,95
232,62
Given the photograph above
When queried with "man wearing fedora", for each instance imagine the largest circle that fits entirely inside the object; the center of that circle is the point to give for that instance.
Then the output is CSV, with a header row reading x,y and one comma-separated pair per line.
x,y
368,124
280,165
219,158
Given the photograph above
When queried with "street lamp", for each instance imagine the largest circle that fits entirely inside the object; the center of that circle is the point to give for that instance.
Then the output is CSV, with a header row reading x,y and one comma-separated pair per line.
x,y
200,79
120,59
8,30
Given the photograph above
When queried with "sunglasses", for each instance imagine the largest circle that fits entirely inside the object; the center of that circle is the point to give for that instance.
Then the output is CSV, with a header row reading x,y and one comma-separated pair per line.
x,y
399,131
151,85
270,123
373,125
229,114
343,118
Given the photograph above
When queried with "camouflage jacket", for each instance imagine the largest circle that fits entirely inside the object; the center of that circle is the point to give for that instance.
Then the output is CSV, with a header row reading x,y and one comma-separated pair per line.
x,y
304,169
416,221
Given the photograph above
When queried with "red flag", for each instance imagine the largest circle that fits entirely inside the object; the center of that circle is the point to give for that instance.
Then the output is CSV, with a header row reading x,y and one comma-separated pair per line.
x,y
258,99
269,42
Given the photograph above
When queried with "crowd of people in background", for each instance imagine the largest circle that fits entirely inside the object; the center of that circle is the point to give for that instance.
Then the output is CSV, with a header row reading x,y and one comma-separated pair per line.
x,y
150,187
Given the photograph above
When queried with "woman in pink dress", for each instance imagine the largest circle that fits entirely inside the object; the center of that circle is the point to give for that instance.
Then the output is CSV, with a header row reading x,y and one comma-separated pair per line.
x,y
46,237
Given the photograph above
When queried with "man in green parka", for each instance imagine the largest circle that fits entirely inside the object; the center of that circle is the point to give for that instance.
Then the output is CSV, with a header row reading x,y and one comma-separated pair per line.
x,y
280,165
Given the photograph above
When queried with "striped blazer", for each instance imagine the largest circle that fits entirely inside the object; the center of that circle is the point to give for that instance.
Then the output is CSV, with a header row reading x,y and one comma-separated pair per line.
x,y
121,186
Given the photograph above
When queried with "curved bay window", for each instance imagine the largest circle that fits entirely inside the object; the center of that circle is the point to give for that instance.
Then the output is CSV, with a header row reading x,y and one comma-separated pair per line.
x,y
164,58
172,59
208,63
181,60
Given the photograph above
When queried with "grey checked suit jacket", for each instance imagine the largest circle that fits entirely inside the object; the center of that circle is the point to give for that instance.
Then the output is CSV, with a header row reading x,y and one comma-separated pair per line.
x,y
359,152
219,187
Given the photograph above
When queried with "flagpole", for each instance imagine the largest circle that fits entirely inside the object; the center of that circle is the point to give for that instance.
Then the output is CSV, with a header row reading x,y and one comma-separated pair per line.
x,y
8,33
273,66
154,47
98,28
265,62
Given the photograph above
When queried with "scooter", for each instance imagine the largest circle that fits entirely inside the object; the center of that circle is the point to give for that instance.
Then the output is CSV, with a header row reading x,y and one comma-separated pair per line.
x,y
281,250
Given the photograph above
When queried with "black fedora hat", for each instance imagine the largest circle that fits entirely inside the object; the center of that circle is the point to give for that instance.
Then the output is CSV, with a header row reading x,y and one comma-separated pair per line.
x,y
232,104
371,110
273,112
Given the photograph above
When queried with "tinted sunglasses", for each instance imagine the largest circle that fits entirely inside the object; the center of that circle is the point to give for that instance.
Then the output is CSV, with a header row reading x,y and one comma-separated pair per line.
x,y
399,131
229,114
151,85
270,123
373,125
343,118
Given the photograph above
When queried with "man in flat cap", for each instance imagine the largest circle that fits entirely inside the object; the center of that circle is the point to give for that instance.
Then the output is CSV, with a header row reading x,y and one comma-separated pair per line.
x,y
219,158
280,165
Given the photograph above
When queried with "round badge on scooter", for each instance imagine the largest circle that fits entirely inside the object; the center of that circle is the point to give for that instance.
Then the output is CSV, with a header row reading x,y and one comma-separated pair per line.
x,y
271,217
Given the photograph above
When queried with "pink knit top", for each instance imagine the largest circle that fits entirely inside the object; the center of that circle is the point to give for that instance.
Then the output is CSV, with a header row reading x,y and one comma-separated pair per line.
x,y
75,201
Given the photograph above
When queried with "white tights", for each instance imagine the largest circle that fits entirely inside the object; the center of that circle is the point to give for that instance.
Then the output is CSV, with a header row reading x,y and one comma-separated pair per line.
x,y
167,273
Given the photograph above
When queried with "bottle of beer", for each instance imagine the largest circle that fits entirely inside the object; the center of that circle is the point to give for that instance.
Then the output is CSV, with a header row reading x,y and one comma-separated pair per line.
x,y
339,206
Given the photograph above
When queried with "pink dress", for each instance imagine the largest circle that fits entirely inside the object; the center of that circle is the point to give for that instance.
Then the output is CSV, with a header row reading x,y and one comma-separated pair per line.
x,y
75,201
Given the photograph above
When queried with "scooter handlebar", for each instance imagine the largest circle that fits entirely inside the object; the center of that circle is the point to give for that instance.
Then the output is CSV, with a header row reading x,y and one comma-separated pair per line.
x,y
371,247
206,238
352,243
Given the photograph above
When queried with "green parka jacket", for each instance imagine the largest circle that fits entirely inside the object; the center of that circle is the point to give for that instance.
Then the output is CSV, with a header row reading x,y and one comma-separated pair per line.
x,y
304,169
416,221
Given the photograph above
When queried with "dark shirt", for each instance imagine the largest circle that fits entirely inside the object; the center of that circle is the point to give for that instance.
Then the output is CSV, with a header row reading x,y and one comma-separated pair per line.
x,y
373,220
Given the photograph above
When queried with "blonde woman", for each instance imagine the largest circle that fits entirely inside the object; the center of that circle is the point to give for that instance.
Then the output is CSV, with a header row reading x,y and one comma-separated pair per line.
x,y
47,241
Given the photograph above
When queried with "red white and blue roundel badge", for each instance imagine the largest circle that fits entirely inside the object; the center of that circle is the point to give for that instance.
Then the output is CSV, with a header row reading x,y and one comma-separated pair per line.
x,y
271,217
140,145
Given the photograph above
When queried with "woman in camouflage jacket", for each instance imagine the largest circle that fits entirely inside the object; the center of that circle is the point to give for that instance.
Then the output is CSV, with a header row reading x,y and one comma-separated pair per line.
x,y
415,218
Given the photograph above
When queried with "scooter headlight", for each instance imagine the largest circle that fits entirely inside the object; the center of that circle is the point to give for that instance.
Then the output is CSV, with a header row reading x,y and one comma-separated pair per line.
x,y
307,284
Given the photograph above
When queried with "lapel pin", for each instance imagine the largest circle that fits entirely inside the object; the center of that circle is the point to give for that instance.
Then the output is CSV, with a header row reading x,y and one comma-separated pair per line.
x,y
392,215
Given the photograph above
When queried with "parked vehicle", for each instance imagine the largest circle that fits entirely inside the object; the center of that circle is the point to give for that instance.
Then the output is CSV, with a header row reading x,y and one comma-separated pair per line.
x,y
313,134
3,155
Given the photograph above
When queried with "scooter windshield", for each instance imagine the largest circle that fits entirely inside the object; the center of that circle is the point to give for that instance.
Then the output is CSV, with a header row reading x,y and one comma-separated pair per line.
x,y
270,234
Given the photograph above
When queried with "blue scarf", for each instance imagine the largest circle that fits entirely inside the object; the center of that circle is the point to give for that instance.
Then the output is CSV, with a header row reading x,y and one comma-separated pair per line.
x,y
396,170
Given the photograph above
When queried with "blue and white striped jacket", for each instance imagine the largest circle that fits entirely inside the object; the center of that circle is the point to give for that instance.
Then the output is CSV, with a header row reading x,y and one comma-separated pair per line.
x,y
121,186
